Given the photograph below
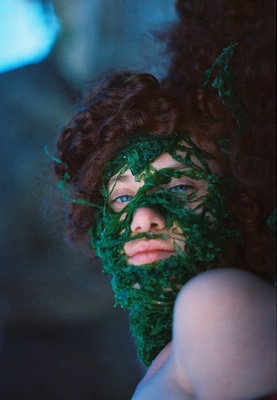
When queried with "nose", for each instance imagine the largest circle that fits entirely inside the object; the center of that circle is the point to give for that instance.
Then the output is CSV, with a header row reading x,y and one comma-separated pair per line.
x,y
147,219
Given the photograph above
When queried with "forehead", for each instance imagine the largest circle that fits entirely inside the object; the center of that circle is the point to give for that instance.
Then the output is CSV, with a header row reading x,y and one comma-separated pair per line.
x,y
164,160
178,151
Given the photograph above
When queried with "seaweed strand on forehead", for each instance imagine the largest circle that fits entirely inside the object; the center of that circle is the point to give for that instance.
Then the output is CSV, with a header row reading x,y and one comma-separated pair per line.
x,y
141,150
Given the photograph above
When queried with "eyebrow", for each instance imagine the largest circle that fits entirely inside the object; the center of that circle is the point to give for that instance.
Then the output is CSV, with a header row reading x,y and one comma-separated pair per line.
x,y
196,163
177,165
126,178
119,178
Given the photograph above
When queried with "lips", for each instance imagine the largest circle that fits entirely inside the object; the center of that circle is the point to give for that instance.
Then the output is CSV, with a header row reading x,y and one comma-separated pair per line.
x,y
147,251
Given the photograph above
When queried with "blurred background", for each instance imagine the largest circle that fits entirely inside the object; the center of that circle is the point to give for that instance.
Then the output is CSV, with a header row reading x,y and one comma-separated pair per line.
x,y
60,335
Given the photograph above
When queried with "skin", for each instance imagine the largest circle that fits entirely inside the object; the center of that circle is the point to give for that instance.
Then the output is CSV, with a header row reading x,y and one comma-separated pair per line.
x,y
124,187
224,320
223,341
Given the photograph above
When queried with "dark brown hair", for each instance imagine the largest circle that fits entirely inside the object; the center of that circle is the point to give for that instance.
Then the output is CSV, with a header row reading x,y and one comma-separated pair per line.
x,y
203,29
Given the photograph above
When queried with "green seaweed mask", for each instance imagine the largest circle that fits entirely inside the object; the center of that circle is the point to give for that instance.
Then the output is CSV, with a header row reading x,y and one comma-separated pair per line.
x,y
180,188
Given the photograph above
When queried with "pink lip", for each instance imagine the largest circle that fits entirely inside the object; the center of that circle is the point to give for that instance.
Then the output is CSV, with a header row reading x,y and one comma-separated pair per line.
x,y
149,257
147,251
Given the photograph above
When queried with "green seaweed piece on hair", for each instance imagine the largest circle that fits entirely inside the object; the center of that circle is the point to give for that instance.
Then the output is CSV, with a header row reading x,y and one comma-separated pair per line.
x,y
271,222
224,83
63,184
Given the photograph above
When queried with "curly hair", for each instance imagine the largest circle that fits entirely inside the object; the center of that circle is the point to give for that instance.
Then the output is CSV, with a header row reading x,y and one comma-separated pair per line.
x,y
206,27
127,104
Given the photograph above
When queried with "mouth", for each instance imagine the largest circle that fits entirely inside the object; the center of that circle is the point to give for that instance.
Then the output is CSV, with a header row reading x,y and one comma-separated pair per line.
x,y
148,257
146,252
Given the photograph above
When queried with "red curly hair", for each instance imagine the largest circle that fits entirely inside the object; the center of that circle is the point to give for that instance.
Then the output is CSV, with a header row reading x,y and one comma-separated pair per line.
x,y
127,104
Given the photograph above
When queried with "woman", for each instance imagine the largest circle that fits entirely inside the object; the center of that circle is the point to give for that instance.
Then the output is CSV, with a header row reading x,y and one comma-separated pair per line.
x,y
155,181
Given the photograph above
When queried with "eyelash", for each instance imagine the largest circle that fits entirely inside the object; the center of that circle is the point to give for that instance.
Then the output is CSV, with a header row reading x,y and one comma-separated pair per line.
x,y
117,199
184,187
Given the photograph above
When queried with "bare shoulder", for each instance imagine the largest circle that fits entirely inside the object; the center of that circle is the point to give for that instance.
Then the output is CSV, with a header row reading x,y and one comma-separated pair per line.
x,y
218,291
224,335
223,341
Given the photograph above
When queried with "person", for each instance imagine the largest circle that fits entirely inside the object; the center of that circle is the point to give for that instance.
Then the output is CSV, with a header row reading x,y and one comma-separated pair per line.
x,y
171,183
150,186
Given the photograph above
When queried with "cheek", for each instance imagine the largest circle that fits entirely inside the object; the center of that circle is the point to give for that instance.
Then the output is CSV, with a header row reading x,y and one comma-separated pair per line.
x,y
177,231
179,241
196,204
123,217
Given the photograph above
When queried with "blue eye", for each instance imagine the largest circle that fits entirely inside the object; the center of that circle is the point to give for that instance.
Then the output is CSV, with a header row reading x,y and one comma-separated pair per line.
x,y
123,199
180,189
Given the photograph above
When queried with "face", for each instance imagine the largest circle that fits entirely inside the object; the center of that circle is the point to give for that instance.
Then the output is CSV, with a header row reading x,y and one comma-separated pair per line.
x,y
164,219
124,187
